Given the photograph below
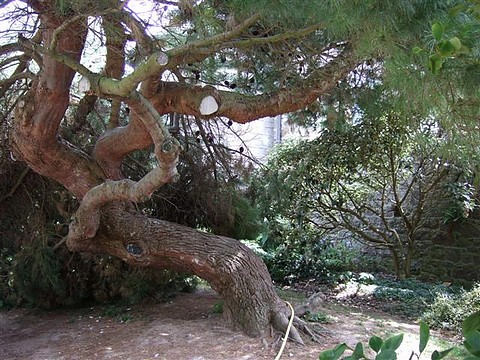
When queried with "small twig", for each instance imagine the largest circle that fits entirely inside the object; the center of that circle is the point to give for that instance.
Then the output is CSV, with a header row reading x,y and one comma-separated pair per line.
x,y
60,243
17,184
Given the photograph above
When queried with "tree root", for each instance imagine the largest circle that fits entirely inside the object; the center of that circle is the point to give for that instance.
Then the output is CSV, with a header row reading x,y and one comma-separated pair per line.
x,y
315,332
280,322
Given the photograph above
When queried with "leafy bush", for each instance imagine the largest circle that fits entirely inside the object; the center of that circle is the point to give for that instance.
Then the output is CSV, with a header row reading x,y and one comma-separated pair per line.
x,y
369,191
41,277
408,297
37,275
387,349
143,284
325,262
318,317
462,201
448,310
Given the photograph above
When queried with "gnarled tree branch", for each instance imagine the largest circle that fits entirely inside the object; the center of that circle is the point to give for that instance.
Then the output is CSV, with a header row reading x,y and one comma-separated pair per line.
x,y
167,149
183,98
39,113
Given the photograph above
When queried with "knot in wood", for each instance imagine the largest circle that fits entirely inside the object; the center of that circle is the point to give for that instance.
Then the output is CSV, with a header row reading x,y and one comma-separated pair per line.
x,y
175,177
134,249
167,146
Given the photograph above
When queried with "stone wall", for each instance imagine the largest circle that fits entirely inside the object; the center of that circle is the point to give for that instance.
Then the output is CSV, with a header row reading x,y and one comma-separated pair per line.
x,y
454,254
444,252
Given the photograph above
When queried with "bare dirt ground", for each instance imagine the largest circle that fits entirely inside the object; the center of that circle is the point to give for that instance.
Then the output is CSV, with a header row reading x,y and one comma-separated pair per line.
x,y
184,329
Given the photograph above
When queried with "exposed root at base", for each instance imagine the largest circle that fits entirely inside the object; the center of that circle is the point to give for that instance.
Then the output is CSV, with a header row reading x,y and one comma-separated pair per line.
x,y
280,322
314,331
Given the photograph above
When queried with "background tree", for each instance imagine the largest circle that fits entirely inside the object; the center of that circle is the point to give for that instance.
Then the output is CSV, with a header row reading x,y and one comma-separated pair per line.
x,y
382,190
235,60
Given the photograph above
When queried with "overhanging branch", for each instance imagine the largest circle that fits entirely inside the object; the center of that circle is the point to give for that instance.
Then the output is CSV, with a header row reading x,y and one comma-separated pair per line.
x,y
241,108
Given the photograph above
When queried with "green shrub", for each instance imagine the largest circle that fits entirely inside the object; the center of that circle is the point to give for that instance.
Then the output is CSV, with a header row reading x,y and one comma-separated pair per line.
x,y
448,310
408,297
326,262
387,349
138,285
7,289
37,275
318,317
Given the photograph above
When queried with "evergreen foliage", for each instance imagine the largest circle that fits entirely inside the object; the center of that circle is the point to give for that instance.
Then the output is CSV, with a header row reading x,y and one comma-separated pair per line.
x,y
34,218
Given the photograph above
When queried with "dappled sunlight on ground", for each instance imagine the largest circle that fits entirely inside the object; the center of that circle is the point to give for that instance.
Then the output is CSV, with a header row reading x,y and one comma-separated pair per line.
x,y
186,328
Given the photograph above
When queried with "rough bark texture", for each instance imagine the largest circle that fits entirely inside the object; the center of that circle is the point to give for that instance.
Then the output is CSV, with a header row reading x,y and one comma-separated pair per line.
x,y
231,268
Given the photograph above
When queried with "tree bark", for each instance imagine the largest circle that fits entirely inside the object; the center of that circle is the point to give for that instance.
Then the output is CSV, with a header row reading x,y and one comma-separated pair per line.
x,y
408,260
231,268
396,262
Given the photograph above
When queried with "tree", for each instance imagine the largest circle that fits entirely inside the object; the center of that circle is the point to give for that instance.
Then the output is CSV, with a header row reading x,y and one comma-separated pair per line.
x,y
236,60
382,191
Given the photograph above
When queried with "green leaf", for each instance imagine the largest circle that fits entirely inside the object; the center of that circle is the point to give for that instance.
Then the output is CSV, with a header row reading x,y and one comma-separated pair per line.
x,y
471,349
445,48
455,41
357,353
471,323
327,355
471,332
424,336
387,354
333,354
437,31
339,350
417,50
436,355
435,63
375,343
393,342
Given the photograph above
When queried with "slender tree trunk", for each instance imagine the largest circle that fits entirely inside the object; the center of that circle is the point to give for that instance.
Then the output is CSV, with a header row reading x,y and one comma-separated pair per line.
x,y
396,263
407,265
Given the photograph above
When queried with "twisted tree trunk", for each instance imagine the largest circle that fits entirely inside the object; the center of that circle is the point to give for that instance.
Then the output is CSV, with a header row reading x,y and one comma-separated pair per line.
x,y
231,268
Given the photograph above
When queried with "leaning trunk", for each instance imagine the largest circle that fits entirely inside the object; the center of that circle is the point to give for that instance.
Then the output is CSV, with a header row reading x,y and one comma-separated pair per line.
x,y
102,224
231,268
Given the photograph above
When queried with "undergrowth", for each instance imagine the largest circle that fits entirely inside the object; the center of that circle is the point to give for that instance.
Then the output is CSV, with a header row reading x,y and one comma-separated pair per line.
x,y
448,310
